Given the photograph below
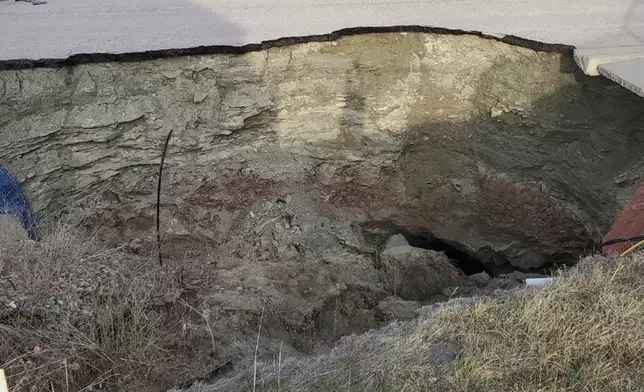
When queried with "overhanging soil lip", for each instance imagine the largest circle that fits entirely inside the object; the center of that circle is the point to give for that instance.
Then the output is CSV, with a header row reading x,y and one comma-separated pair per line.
x,y
84,58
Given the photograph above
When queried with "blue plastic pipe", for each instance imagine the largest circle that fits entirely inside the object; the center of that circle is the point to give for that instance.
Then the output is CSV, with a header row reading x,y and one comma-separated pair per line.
x,y
13,201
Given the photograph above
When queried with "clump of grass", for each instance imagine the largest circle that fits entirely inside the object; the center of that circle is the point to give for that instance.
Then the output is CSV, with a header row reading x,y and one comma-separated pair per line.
x,y
581,333
78,316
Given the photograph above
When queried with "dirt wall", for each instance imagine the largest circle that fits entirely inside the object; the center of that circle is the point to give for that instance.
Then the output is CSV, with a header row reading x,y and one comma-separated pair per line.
x,y
510,152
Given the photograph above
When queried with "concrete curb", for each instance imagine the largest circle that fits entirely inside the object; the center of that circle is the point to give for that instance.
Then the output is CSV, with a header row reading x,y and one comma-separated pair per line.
x,y
629,74
590,59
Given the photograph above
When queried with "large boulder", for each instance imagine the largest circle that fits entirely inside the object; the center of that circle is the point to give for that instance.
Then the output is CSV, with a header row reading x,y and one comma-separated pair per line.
x,y
396,240
417,274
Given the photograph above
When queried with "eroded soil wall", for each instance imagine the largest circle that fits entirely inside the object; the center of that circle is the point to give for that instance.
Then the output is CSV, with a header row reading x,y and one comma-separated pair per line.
x,y
510,152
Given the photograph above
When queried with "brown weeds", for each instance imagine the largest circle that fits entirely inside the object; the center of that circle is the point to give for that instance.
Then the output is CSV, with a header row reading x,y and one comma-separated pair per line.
x,y
75,316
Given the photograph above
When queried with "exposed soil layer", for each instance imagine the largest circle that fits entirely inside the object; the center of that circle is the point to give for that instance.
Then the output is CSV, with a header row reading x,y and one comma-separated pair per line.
x,y
290,167
472,140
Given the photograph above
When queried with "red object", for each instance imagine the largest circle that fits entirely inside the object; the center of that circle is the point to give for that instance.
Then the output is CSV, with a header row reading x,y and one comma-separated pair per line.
x,y
629,223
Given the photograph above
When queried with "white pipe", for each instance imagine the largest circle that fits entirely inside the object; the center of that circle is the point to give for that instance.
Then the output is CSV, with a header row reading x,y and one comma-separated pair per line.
x,y
537,281
3,382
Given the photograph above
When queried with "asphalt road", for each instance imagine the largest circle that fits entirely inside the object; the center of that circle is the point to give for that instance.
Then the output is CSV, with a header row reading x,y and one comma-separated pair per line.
x,y
65,27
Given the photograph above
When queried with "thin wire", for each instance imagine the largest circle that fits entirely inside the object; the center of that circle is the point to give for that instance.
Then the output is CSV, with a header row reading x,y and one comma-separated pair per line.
x,y
632,248
165,149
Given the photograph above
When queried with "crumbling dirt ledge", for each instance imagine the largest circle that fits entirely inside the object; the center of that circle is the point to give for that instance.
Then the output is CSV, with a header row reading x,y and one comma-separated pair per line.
x,y
85,58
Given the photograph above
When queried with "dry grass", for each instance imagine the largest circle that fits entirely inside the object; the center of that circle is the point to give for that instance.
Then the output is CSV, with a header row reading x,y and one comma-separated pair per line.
x,y
582,333
75,316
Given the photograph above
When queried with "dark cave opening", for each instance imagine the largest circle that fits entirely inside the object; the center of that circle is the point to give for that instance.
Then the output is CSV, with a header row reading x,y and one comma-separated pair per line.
x,y
484,259
464,260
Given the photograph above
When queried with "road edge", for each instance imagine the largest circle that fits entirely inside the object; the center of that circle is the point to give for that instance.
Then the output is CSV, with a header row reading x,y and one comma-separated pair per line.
x,y
84,58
